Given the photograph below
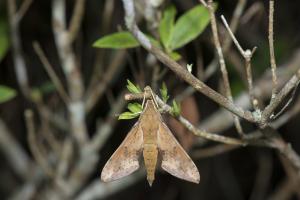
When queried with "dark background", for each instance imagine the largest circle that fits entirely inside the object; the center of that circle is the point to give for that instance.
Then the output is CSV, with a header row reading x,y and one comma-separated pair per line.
x,y
244,173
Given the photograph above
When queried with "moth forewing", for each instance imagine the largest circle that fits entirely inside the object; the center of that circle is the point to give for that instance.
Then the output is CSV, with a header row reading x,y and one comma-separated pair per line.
x,y
125,159
174,158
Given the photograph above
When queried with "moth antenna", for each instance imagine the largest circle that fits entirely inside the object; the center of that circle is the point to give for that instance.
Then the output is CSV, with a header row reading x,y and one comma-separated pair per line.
x,y
144,98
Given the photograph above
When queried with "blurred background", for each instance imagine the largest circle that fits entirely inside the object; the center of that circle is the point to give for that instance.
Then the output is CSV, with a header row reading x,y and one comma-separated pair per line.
x,y
60,98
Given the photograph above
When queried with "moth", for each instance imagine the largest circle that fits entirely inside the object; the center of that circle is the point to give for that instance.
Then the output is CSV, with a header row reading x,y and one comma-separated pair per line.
x,y
151,138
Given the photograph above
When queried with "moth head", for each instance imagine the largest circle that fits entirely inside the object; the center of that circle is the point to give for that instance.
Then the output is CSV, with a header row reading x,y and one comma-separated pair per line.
x,y
147,90
148,94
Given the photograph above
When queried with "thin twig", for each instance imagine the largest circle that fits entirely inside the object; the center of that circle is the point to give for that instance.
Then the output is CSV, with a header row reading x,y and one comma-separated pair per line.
x,y
16,156
76,20
49,69
271,45
253,99
53,142
247,54
19,62
288,103
288,87
104,131
98,65
224,71
219,49
33,144
100,86
232,36
256,9
64,160
238,11
23,9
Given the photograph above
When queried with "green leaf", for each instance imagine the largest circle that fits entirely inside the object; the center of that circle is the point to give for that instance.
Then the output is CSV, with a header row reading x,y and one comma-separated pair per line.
x,y
133,88
175,56
4,39
135,107
6,93
119,40
128,115
164,92
176,109
189,26
166,25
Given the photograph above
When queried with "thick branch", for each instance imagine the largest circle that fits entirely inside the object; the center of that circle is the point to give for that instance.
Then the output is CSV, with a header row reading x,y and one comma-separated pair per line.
x,y
72,72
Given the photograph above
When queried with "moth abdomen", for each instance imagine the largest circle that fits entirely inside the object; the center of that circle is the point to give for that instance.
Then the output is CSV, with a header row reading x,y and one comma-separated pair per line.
x,y
150,153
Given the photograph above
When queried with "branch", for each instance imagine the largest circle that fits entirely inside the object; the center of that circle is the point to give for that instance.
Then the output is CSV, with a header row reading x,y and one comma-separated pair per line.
x,y
224,71
13,152
49,69
76,20
247,56
288,87
166,108
23,9
33,144
271,44
72,72
179,70
262,89
238,11
105,130
19,63
96,90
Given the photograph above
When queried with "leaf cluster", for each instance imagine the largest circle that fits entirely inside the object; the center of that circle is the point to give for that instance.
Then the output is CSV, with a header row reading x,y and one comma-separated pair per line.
x,y
173,34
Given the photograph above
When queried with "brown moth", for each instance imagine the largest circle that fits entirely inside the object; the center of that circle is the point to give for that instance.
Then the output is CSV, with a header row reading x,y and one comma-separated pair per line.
x,y
152,137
